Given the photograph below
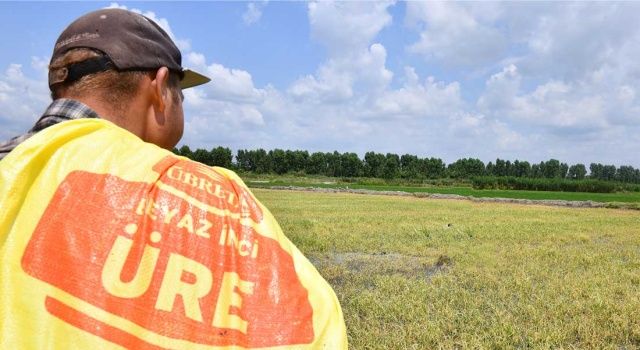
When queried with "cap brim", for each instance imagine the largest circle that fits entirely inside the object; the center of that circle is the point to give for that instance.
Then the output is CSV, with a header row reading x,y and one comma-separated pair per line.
x,y
192,79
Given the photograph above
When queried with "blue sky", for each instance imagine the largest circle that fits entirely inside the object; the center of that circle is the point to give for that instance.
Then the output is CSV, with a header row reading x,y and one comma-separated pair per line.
x,y
514,80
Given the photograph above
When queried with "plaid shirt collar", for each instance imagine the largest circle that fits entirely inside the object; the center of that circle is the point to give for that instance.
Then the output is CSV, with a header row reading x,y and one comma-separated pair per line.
x,y
58,111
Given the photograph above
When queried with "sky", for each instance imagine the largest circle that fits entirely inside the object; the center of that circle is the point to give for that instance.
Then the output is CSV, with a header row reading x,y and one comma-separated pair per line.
x,y
511,80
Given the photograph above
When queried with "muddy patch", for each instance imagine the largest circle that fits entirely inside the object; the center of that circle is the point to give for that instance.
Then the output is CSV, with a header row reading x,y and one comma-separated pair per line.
x,y
337,268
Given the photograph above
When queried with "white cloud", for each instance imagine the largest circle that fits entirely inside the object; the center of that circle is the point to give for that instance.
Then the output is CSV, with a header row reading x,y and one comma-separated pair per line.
x,y
501,90
336,79
456,34
41,65
350,103
576,107
195,59
253,12
22,100
234,85
563,74
533,81
115,5
348,26
230,110
562,40
574,39
431,99
355,64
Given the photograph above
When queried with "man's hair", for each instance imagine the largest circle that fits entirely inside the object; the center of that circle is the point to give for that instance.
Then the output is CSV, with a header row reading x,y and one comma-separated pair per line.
x,y
111,86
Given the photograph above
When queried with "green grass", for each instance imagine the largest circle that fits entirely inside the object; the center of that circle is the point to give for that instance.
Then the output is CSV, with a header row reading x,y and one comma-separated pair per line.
x,y
631,197
328,182
416,273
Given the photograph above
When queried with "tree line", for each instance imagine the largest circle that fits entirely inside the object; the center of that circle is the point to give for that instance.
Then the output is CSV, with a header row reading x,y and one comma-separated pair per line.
x,y
394,166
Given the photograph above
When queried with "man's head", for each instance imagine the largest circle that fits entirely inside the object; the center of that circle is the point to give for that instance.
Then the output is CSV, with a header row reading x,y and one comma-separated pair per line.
x,y
127,68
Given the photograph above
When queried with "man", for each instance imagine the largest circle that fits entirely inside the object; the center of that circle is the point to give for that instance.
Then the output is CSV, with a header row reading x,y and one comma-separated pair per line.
x,y
108,240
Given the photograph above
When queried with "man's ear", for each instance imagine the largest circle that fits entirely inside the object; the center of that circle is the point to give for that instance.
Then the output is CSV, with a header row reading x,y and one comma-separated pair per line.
x,y
160,89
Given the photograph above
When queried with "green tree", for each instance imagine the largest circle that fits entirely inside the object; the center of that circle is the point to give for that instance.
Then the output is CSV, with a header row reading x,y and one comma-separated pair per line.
x,y
203,156
596,171
510,168
373,164
350,165
521,169
627,173
501,167
186,151
577,172
262,161
410,167
609,172
221,156
536,171
466,168
333,164
317,164
564,168
245,160
490,169
296,160
391,168
300,160
433,168
278,159
551,169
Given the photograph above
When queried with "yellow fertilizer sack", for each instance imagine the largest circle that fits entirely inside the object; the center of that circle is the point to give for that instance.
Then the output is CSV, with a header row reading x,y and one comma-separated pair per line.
x,y
109,242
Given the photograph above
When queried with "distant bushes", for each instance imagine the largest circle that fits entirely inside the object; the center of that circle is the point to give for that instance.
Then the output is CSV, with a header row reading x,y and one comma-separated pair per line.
x,y
542,184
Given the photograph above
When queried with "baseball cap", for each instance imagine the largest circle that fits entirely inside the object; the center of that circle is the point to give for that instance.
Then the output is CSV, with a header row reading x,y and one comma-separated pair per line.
x,y
129,42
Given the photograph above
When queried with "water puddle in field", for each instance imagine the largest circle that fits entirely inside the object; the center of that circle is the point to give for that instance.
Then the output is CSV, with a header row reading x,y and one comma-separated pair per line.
x,y
336,266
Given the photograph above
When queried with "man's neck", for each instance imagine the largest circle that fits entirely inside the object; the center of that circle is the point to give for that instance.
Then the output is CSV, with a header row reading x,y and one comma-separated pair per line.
x,y
131,117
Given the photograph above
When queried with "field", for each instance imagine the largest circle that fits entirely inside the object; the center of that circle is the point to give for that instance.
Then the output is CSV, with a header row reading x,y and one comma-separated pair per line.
x,y
462,189
416,273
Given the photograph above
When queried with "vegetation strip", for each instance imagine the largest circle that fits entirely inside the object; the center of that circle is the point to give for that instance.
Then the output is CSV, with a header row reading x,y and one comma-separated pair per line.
x,y
549,202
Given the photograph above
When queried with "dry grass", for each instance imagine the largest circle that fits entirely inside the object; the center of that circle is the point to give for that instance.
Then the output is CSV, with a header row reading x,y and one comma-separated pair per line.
x,y
416,274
